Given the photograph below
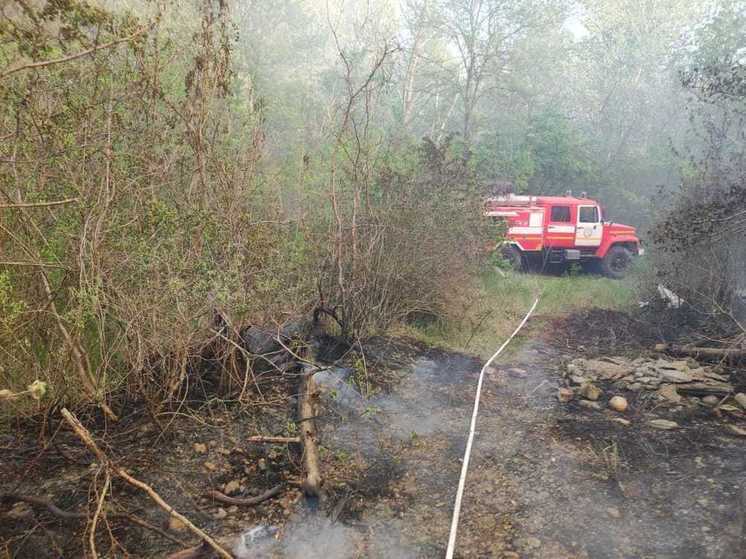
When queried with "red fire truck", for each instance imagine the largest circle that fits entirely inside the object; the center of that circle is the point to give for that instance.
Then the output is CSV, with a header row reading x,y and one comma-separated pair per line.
x,y
559,230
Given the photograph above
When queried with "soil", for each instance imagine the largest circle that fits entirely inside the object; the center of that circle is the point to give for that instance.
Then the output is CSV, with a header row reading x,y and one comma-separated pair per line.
x,y
547,480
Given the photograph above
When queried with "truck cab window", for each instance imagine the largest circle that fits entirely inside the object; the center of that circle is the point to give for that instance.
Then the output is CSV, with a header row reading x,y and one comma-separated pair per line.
x,y
561,214
588,214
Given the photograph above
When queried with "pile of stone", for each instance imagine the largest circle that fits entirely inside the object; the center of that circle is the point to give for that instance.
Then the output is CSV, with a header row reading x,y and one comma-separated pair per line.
x,y
671,380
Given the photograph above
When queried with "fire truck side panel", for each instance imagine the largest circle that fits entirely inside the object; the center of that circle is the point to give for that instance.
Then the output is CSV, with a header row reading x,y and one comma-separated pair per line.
x,y
560,225
527,228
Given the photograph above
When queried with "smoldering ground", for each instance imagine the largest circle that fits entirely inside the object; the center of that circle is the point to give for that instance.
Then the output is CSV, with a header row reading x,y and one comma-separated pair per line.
x,y
547,480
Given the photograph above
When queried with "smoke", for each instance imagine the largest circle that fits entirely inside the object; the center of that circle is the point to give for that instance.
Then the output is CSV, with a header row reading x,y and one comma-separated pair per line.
x,y
316,537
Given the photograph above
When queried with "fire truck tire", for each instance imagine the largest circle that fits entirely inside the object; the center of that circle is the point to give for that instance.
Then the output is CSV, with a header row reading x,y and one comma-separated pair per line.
x,y
514,257
616,262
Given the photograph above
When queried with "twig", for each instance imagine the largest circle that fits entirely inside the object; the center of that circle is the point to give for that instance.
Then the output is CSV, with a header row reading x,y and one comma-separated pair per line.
x,y
148,526
85,436
97,514
249,502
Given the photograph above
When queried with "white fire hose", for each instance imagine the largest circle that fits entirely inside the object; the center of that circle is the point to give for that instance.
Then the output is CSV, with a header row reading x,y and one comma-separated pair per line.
x,y
467,453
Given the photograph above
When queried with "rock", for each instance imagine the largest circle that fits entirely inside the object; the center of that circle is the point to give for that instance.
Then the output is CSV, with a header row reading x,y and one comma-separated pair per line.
x,y
622,421
740,399
295,329
736,430
231,487
670,393
649,381
210,466
175,524
711,400
262,464
663,424
220,514
681,365
590,405
676,376
710,375
613,512
590,392
518,373
564,395
635,387
579,380
609,368
200,448
618,403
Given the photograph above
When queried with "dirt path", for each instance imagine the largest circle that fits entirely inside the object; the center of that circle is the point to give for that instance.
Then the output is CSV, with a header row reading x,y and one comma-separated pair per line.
x,y
547,480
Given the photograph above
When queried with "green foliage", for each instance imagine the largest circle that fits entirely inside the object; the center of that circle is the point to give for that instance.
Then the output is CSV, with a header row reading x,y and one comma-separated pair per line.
x,y
10,308
162,220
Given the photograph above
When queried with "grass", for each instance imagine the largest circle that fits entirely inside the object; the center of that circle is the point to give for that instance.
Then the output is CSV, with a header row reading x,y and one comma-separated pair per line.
x,y
486,317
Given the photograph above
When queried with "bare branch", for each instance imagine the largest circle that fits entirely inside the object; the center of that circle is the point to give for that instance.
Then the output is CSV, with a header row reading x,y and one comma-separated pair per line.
x,y
39,204
69,58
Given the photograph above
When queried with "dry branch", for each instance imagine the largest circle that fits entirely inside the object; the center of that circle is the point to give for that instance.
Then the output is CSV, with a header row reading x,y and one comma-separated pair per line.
x,y
249,502
307,404
38,204
97,515
274,440
705,353
200,551
67,515
87,439
148,526
22,263
47,504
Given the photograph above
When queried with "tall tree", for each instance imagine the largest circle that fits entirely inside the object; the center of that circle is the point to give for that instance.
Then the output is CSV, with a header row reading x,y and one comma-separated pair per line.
x,y
483,35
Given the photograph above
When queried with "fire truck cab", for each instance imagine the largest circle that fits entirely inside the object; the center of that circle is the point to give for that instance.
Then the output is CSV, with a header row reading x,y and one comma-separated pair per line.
x,y
559,230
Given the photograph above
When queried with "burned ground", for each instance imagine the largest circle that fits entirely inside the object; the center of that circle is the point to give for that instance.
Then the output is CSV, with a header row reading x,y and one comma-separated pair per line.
x,y
548,480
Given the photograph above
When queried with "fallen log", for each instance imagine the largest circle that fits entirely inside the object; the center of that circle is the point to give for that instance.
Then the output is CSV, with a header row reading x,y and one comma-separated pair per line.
x,y
732,355
245,502
307,403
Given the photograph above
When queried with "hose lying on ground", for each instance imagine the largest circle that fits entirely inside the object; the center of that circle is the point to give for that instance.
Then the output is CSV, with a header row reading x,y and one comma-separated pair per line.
x,y
467,454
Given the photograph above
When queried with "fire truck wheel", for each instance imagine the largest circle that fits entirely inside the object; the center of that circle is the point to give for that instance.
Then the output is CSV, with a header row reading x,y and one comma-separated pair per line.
x,y
513,257
616,262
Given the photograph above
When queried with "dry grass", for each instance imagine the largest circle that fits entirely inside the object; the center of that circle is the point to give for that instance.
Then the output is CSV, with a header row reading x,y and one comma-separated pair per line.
x,y
492,308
